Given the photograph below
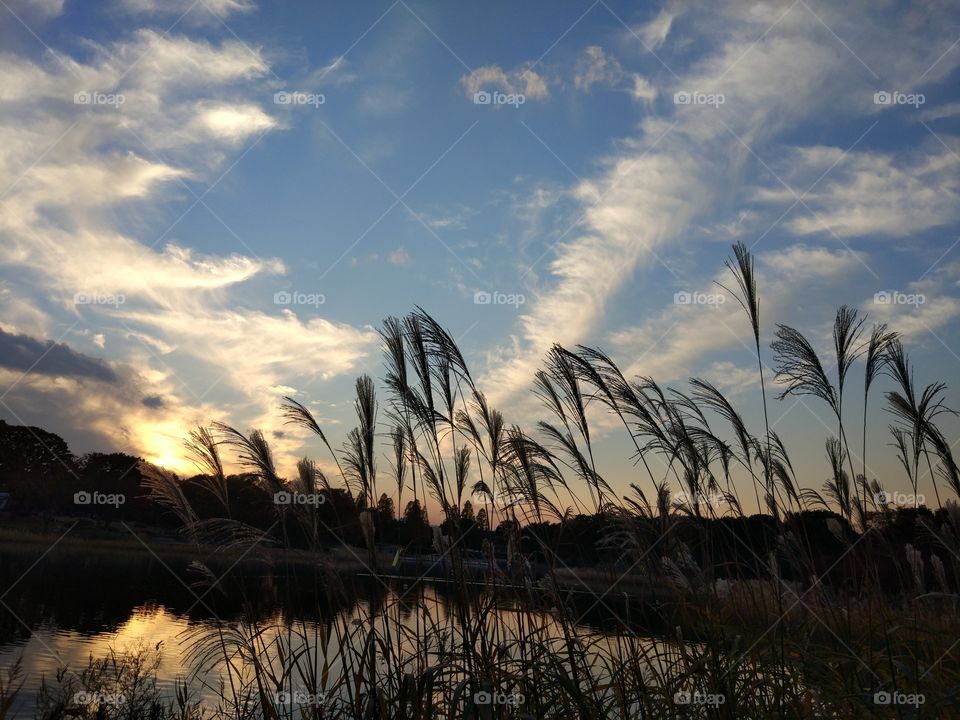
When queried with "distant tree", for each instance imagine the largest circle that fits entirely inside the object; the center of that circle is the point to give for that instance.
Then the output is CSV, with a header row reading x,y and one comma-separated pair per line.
x,y
117,476
37,469
386,519
415,530
386,509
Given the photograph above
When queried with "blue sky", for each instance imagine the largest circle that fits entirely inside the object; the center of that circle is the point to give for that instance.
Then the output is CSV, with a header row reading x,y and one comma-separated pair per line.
x,y
150,224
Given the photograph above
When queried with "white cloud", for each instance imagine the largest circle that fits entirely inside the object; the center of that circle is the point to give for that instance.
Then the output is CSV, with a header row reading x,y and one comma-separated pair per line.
x,y
922,308
180,120
656,186
595,67
939,112
867,193
399,257
234,123
655,32
222,8
522,79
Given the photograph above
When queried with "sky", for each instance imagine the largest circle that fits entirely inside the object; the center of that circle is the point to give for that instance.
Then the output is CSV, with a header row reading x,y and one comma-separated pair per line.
x,y
206,206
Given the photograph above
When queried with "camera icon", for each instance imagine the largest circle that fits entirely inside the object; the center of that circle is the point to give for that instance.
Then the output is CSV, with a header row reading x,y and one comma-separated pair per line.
x,y
282,498
682,298
882,98
82,98
482,97
682,98
883,297
82,498
282,98
883,498
283,698
482,698
83,698
481,297
81,299
882,698
282,298
682,697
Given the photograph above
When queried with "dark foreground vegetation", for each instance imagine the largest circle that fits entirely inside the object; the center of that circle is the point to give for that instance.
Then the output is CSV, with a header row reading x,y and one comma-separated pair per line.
x,y
830,603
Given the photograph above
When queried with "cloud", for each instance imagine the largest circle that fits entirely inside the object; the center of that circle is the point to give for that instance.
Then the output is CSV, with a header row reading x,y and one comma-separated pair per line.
x,y
399,257
654,32
521,80
940,112
46,357
656,186
190,109
221,8
867,193
233,123
595,67
154,402
922,308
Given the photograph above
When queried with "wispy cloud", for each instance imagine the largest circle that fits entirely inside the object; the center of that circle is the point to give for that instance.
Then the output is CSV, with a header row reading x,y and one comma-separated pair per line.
x,y
140,120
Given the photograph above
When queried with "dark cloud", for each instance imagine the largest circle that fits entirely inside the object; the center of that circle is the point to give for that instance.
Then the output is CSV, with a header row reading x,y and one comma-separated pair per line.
x,y
45,357
154,402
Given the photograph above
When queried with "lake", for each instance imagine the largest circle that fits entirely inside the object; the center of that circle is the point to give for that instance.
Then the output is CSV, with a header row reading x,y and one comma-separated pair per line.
x,y
72,604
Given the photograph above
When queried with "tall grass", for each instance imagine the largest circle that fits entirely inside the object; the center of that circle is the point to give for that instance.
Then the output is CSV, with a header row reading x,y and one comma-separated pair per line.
x,y
786,634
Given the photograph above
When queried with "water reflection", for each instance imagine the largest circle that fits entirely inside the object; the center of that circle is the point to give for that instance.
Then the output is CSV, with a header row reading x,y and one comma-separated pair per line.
x,y
71,607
